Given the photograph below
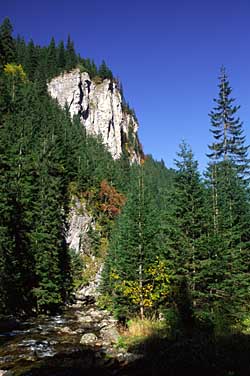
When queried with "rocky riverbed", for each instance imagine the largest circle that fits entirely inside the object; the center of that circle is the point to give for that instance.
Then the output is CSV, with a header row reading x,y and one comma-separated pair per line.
x,y
83,336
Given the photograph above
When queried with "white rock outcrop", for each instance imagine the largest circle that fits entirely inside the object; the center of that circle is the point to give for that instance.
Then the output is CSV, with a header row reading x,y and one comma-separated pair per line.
x,y
100,107
79,224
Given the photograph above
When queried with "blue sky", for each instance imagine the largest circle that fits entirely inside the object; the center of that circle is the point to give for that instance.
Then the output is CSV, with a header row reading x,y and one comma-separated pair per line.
x,y
166,53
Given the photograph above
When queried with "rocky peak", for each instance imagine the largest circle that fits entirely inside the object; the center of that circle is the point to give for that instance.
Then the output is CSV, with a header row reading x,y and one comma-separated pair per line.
x,y
99,104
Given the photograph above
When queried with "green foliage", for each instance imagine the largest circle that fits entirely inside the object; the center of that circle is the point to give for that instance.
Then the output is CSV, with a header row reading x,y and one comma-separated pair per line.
x,y
187,230
7,44
61,56
135,244
245,324
71,57
229,211
176,245
77,267
45,158
52,66
227,129
43,63
35,264
89,66
228,208
104,72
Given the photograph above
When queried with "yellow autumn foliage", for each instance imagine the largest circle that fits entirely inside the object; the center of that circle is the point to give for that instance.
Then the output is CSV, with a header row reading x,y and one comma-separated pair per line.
x,y
154,288
15,70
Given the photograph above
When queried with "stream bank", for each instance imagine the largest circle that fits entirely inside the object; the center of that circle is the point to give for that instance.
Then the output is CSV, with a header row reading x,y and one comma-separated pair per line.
x,y
83,337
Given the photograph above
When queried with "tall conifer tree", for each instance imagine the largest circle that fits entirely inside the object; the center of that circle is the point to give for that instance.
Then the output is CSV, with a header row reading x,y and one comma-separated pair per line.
x,y
71,57
7,44
228,235
226,127
188,223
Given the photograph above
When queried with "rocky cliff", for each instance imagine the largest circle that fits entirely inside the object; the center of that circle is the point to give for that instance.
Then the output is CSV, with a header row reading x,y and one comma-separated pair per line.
x,y
80,222
99,104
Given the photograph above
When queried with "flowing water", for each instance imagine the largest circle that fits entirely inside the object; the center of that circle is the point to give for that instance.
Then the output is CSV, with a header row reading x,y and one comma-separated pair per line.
x,y
39,338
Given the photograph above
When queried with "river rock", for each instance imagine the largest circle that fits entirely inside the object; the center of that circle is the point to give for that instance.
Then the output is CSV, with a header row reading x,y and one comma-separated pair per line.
x,y
88,339
109,334
67,330
96,314
85,319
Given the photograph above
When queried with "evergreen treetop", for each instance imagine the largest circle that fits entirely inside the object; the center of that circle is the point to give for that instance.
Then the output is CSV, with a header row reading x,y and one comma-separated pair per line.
x,y
7,44
226,128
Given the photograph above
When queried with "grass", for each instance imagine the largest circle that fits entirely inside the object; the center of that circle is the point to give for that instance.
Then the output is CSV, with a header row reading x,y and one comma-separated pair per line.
x,y
137,331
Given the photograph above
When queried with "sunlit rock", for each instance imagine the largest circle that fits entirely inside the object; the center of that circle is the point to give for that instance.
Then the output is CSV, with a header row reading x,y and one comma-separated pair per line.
x,y
99,104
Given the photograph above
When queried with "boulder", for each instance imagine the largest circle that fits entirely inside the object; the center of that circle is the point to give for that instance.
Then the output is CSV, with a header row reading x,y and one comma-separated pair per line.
x,y
88,339
109,334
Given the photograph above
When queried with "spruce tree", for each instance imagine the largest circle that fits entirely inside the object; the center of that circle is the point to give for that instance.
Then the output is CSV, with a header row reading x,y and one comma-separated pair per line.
x,y
17,173
104,71
90,67
52,67
21,50
71,58
226,127
134,248
7,44
188,224
229,206
228,239
31,61
47,240
61,56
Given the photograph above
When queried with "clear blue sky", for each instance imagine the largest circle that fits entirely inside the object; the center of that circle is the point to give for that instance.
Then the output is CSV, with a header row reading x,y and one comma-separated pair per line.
x,y
166,52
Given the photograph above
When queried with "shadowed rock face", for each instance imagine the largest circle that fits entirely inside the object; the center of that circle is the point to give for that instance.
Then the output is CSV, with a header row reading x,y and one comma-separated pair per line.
x,y
79,223
99,106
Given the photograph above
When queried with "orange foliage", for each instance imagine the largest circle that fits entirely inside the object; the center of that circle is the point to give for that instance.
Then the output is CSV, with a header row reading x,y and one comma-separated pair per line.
x,y
111,200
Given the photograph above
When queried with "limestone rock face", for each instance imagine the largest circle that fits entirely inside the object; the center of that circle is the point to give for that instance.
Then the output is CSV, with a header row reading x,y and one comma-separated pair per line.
x,y
79,224
99,105
78,239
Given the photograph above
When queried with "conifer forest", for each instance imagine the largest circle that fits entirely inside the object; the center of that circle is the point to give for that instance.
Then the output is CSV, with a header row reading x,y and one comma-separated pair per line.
x,y
173,242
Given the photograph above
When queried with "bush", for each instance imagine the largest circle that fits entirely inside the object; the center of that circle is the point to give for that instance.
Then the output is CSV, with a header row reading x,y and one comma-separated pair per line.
x,y
172,322
246,324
